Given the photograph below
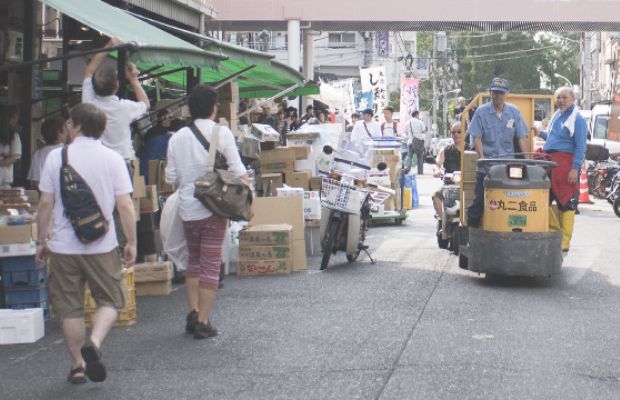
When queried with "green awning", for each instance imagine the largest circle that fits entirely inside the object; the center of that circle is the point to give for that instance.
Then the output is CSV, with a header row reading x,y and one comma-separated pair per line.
x,y
267,78
151,45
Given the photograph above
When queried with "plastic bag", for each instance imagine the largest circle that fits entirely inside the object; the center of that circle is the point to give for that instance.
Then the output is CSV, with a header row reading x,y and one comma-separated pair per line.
x,y
172,234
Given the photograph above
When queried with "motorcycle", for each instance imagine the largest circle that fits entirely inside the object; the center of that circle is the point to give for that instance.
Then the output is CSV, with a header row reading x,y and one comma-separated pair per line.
x,y
614,194
600,175
448,224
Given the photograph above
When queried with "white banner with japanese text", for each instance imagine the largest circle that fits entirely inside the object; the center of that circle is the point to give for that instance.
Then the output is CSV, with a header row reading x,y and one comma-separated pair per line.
x,y
374,80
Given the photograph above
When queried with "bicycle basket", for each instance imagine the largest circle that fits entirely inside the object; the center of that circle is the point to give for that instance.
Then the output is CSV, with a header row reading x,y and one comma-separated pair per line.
x,y
336,196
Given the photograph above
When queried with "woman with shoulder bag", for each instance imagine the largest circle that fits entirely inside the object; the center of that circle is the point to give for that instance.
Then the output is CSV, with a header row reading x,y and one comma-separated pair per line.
x,y
204,230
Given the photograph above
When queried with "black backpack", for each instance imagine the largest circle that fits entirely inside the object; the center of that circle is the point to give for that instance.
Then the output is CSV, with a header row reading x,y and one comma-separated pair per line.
x,y
80,204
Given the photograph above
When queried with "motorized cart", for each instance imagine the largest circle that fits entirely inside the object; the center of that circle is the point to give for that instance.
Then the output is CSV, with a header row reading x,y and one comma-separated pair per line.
x,y
514,237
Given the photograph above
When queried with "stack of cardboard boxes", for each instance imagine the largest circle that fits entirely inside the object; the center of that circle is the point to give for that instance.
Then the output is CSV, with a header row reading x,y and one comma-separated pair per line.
x,y
153,278
392,158
265,250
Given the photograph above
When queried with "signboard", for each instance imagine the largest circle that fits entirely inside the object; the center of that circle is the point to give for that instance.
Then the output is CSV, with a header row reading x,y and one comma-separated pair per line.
x,y
383,44
363,100
409,97
374,80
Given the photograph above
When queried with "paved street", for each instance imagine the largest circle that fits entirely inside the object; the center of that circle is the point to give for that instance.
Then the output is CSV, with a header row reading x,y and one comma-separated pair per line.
x,y
412,326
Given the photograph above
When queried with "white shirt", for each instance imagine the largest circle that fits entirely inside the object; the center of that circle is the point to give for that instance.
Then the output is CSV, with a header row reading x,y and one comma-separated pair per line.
x,y
120,114
359,133
107,177
38,159
415,129
6,151
187,161
388,129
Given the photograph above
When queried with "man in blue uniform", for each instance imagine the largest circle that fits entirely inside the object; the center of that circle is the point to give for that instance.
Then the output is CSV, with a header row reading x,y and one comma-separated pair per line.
x,y
493,128
566,145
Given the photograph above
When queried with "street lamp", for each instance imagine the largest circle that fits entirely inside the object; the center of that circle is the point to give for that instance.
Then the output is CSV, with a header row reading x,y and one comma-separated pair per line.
x,y
570,84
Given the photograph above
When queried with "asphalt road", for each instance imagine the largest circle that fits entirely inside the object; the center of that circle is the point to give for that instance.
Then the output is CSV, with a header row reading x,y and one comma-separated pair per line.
x,y
411,326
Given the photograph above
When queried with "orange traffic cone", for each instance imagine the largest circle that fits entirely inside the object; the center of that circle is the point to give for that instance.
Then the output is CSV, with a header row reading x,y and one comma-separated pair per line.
x,y
584,196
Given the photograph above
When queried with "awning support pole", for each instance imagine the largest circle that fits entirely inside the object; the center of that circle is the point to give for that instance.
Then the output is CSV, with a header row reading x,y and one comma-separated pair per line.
x,y
232,77
121,63
257,106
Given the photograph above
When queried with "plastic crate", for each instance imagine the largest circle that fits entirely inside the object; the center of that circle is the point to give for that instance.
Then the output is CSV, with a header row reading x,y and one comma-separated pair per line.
x,y
21,263
22,279
40,304
90,305
20,296
126,317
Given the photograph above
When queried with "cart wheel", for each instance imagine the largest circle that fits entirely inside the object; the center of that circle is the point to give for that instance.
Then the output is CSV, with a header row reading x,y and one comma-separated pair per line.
x,y
399,221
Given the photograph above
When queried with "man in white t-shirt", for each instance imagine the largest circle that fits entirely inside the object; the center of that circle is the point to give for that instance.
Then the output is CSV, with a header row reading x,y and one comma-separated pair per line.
x,y
100,87
73,263
364,129
414,131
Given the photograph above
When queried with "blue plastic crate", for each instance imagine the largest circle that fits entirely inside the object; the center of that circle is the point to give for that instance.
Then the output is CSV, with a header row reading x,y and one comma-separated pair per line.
x,y
21,296
40,304
30,278
20,263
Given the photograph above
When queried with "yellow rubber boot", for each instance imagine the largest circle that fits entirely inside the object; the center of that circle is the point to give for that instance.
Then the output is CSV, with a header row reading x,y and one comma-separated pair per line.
x,y
554,218
567,220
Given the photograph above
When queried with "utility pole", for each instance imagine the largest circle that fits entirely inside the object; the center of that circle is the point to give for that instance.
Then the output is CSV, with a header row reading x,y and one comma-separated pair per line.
x,y
586,72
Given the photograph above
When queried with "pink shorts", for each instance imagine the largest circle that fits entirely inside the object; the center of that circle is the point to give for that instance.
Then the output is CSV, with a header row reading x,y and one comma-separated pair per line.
x,y
205,238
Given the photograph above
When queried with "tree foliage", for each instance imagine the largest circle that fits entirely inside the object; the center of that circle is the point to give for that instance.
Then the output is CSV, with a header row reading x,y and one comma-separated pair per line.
x,y
528,60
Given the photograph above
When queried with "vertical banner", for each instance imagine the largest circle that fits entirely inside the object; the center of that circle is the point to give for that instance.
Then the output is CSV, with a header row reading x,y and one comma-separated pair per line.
x,y
383,44
409,97
347,103
374,80
613,132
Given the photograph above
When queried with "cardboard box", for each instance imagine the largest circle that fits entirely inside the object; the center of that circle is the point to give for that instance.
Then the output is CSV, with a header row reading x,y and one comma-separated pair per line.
x,y
139,188
302,152
281,159
266,234
153,271
150,203
316,182
269,183
470,159
280,166
312,205
10,234
264,267
18,249
247,253
280,210
300,261
298,179
290,192
162,288
157,176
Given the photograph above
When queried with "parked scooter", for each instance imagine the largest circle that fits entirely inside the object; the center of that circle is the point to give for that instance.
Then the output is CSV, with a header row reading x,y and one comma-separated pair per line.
x,y
448,224
600,175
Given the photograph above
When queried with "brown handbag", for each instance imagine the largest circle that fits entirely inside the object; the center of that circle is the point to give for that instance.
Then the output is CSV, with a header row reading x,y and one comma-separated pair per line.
x,y
220,191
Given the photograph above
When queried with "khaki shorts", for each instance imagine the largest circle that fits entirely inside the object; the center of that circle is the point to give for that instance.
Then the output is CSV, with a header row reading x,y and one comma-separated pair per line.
x,y
69,274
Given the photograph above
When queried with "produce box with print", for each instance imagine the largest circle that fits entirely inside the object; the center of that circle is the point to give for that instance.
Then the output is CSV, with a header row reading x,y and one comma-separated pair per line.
x,y
247,253
153,271
280,159
264,267
266,235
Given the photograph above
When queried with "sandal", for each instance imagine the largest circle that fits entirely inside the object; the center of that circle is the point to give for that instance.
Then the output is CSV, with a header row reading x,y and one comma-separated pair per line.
x,y
95,370
76,376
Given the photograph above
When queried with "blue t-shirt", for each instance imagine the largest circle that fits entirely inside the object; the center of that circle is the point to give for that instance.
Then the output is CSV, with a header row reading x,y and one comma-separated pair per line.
x,y
558,138
156,148
498,132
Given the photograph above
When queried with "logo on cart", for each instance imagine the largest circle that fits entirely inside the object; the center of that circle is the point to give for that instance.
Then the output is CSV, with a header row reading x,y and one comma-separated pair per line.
x,y
493,205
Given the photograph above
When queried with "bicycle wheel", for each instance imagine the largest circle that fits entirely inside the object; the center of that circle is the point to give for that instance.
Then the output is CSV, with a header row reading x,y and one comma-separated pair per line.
x,y
329,241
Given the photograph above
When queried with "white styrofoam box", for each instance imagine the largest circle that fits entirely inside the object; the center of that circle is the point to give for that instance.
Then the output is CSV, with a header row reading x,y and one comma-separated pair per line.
x,y
290,192
18,249
21,326
313,240
381,180
306,165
